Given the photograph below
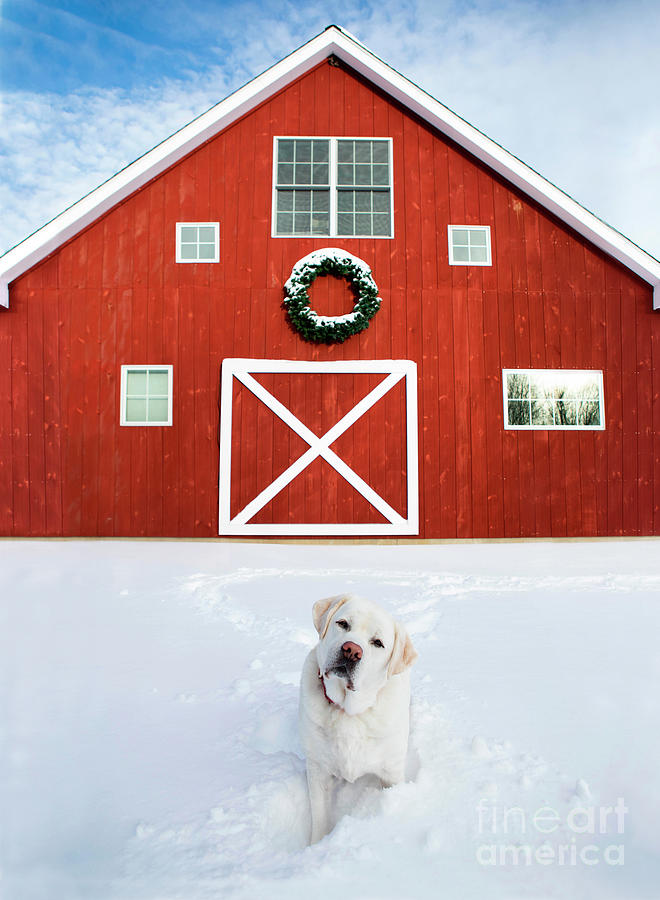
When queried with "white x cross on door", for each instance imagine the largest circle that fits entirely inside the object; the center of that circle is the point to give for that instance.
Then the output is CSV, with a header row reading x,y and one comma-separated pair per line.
x,y
318,446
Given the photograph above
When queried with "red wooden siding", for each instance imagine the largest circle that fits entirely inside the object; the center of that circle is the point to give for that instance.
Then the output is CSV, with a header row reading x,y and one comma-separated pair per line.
x,y
114,295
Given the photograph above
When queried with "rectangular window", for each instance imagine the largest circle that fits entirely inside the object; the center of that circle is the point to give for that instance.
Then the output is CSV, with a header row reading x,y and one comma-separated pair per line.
x,y
332,187
469,245
197,242
553,398
146,395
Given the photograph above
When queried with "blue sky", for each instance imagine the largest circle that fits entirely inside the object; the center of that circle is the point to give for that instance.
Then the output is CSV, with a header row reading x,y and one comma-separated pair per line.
x,y
568,87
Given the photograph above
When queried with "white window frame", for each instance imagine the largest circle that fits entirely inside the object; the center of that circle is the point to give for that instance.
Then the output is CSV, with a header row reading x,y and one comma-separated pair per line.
x,y
462,262
333,187
124,381
597,374
395,372
214,225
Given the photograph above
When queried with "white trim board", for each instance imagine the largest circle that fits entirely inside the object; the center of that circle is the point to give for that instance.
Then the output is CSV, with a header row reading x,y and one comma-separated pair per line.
x,y
333,41
242,370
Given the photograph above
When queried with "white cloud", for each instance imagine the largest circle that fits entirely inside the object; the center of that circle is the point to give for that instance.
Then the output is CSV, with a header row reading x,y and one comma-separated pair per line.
x,y
569,88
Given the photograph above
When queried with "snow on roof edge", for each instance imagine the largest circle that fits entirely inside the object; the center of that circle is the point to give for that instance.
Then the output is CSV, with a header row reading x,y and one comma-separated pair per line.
x,y
332,41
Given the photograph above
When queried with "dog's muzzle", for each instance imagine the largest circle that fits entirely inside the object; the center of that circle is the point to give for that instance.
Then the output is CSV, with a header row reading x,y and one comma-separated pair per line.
x,y
346,662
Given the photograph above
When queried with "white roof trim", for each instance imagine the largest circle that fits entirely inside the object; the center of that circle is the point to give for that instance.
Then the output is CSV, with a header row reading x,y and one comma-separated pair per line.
x,y
331,41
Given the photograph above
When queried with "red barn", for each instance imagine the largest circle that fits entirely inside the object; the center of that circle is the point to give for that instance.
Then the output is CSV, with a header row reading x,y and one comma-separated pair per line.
x,y
469,354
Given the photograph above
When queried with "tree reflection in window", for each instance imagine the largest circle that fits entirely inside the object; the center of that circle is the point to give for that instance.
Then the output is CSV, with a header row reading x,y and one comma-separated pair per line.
x,y
554,398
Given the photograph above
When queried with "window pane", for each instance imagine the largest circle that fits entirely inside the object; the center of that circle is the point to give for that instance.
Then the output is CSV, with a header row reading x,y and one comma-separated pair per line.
x,y
302,201
589,391
518,412
284,223
345,151
345,223
206,251
285,173
363,223
136,410
381,201
380,175
478,254
565,412
321,151
363,201
382,224
380,151
285,201
188,251
158,382
207,234
542,413
321,201
321,173
363,151
588,413
345,201
285,151
459,236
478,238
362,174
303,173
461,254
136,382
517,385
301,223
344,174
303,151
189,233
158,410
538,385
321,223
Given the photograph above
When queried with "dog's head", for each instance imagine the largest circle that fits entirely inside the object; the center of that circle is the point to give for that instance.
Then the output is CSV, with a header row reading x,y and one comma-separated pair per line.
x,y
360,647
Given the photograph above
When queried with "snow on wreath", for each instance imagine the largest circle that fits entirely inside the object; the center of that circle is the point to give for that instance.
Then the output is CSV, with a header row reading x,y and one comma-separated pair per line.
x,y
330,329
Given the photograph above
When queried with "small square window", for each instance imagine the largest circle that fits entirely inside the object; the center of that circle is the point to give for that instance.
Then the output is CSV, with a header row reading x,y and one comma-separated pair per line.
x,y
146,395
469,245
197,242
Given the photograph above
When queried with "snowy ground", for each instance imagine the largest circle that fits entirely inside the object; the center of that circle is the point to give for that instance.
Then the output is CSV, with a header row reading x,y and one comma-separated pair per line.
x,y
148,745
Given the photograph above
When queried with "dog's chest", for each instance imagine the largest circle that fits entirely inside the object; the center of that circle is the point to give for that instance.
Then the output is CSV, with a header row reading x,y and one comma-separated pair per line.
x,y
355,746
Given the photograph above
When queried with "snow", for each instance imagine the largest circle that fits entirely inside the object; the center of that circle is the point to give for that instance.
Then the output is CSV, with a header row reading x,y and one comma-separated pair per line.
x,y
316,257
148,739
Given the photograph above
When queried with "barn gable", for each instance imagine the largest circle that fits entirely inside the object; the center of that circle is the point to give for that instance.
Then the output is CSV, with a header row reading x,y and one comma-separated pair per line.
x,y
332,42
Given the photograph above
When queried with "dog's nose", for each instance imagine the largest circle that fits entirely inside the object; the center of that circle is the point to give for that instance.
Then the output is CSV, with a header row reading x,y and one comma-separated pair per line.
x,y
351,652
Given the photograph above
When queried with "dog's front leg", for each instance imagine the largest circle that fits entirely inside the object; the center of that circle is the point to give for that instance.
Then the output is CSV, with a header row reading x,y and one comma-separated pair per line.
x,y
394,774
320,785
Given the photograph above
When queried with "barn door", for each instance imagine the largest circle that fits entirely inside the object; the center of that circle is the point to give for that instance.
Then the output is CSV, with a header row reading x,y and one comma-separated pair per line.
x,y
318,448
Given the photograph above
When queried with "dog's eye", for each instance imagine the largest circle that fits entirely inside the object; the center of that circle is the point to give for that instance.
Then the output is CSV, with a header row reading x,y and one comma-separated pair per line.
x,y
377,642
343,624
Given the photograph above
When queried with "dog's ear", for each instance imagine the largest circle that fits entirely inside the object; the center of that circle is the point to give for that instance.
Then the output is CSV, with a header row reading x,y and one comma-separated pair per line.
x,y
403,652
324,610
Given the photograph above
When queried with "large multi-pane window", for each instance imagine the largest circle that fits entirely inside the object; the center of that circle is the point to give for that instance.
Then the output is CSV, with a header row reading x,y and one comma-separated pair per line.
x,y
333,187
553,398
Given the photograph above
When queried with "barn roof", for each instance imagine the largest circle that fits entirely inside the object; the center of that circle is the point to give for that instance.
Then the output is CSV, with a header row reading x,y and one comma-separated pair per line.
x,y
337,42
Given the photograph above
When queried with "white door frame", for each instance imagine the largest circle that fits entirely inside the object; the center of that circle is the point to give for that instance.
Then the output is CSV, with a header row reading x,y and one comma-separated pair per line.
x,y
242,370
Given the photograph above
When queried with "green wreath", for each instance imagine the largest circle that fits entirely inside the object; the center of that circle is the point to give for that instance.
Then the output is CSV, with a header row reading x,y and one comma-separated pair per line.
x,y
330,329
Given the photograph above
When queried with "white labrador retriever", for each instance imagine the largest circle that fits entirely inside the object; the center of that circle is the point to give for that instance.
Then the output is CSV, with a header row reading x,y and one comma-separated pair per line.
x,y
354,700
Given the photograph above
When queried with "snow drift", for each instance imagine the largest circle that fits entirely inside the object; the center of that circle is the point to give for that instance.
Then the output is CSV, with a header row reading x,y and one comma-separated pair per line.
x,y
149,741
